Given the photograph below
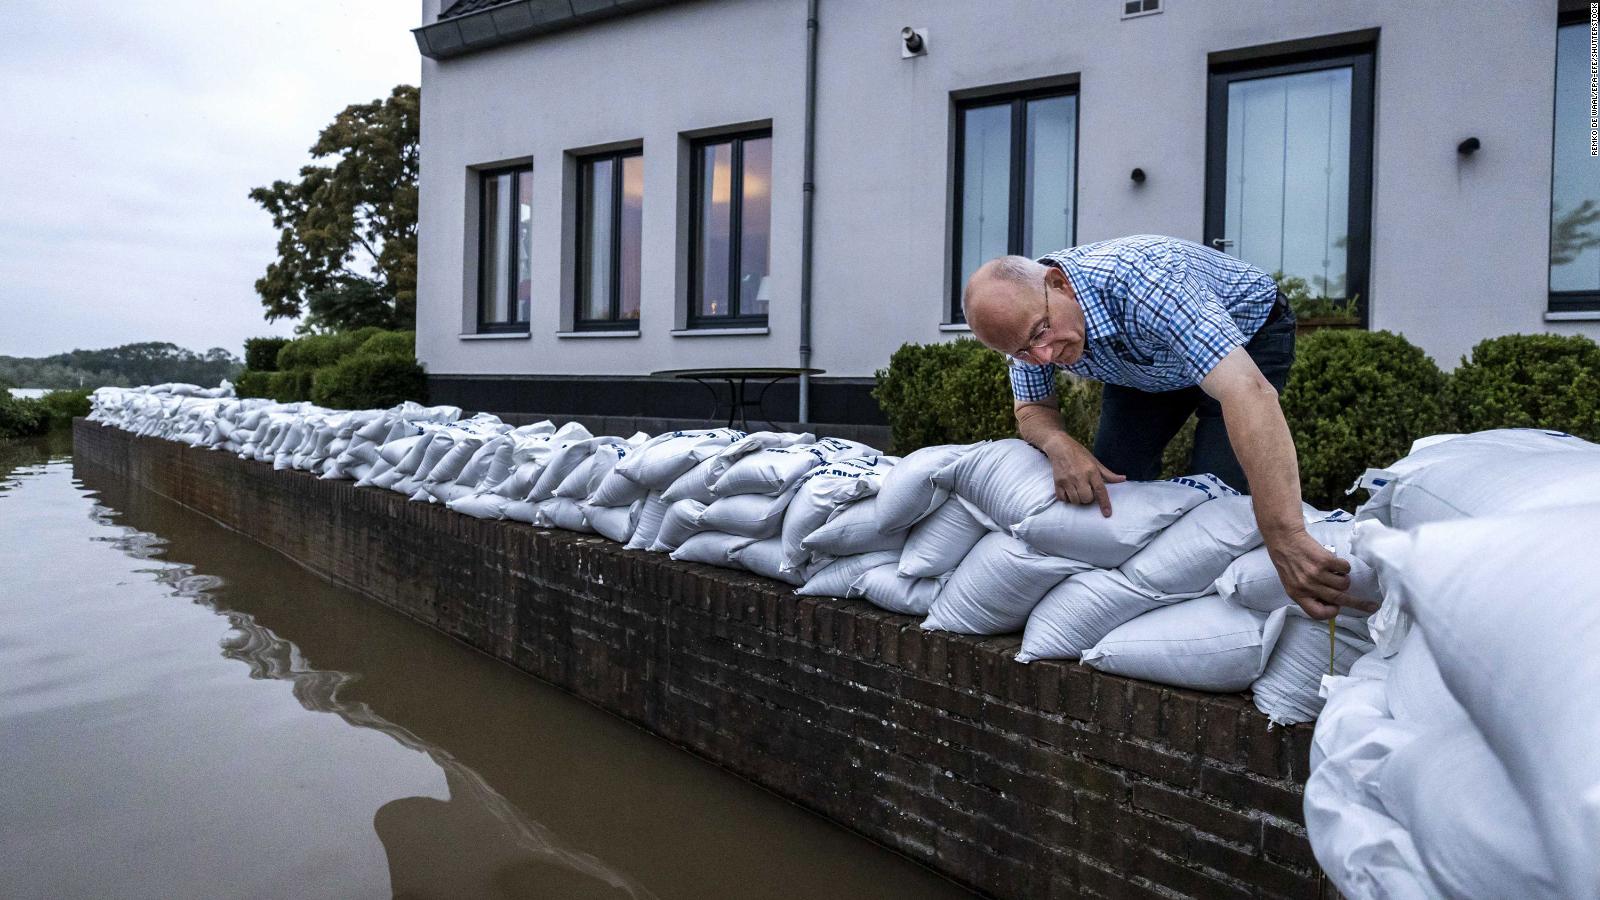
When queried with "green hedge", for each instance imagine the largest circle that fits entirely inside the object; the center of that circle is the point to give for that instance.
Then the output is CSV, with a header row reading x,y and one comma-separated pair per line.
x,y
62,406
20,417
369,382
304,363
1357,399
261,353
1529,381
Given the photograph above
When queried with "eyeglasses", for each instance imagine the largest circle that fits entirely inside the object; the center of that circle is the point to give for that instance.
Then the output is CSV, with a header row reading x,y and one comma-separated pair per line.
x,y
1040,336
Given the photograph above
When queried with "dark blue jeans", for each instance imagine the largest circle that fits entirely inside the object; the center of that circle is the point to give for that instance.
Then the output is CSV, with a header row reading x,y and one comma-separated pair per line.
x,y
1135,426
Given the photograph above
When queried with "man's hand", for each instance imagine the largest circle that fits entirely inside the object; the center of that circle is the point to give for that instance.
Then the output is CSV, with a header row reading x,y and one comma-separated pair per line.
x,y
1312,576
1079,477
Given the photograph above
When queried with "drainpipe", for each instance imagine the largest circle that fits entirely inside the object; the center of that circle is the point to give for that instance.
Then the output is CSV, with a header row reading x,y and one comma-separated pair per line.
x,y
805,209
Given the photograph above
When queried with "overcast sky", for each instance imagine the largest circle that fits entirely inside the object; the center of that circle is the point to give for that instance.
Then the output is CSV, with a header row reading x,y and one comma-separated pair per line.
x,y
130,134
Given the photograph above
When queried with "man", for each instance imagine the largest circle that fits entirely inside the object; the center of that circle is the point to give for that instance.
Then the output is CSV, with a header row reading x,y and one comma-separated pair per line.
x,y
1172,329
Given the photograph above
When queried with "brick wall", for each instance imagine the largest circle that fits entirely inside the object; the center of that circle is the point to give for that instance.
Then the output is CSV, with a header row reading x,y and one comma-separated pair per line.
x,y
1042,780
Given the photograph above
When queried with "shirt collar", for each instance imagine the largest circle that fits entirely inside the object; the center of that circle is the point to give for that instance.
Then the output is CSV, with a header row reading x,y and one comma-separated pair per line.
x,y
1097,320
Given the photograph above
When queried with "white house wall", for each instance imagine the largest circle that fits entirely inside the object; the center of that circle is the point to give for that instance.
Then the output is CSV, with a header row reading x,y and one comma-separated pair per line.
x,y
1459,245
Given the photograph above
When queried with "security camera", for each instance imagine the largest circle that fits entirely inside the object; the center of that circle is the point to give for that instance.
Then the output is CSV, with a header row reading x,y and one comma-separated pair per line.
x,y
913,42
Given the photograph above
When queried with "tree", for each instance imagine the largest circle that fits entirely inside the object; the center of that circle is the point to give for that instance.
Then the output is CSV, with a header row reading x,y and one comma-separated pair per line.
x,y
347,242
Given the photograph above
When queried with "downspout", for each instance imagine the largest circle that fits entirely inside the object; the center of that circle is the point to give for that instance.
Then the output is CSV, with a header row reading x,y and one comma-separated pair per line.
x,y
805,210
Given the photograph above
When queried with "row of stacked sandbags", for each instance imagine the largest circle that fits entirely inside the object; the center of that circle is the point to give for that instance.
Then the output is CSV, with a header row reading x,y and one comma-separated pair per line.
x,y
1457,759
1173,587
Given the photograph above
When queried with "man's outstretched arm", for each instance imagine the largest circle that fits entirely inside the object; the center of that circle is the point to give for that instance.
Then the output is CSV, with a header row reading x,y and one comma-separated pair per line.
x,y
1313,577
1079,477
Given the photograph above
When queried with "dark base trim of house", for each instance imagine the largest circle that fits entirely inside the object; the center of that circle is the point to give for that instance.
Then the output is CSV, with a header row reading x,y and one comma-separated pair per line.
x,y
837,401
1040,780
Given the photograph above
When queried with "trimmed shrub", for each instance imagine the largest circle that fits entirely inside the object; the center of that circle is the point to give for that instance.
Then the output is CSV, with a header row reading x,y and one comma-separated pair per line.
x,y
391,343
1529,381
253,384
369,382
945,393
1357,399
317,350
261,353
289,385
21,417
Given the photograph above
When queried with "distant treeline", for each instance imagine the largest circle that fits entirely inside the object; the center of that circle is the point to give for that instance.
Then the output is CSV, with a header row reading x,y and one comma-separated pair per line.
x,y
152,362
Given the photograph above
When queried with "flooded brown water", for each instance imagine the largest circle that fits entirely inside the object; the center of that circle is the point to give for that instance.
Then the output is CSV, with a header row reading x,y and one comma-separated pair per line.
x,y
184,713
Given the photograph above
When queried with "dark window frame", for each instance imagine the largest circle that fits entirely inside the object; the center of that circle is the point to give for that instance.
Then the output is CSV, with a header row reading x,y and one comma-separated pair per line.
x,y
1361,59
1563,301
734,318
485,202
1016,209
615,321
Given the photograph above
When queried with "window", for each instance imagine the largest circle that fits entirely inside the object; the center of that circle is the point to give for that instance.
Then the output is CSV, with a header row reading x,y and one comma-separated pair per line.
x,y
505,213
1288,170
610,211
730,231
1016,180
1574,178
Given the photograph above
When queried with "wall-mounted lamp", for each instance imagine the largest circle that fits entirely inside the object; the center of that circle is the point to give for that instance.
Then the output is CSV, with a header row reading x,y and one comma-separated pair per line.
x,y
1468,146
1137,175
913,42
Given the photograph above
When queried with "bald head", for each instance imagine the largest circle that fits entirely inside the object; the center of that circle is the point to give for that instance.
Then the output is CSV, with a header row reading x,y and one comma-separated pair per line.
x,y
1002,298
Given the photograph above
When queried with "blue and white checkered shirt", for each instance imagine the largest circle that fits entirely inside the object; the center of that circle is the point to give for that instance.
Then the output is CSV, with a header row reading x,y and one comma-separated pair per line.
x,y
1160,313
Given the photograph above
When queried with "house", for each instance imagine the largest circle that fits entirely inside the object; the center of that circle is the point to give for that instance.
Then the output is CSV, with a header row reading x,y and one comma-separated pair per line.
x,y
615,187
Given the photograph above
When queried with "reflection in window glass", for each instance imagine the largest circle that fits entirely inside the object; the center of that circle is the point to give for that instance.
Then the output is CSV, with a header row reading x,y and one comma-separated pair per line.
x,y
594,302
505,279
1575,180
1051,157
1288,179
524,248
631,226
985,186
755,221
715,224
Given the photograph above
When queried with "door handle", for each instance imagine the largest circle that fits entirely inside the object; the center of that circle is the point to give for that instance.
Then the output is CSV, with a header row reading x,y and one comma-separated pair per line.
x,y
1220,243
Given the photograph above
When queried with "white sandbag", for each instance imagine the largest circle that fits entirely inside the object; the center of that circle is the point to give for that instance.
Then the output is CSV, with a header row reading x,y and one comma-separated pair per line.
x,y
820,493
1475,835
1009,480
694,484
908,493
834,579
766,558
617,489
523,511
648,524
398,449
1139,511
1207,644
562,461
660,460
751,443
750,515
614,522
1487,473
714,548
1252,580
1289,690
681,520
776,469
938,543
1508,607
996,586
1188,556
563,513
480,506
1075,614
886,588
853,528
449,466
1414,689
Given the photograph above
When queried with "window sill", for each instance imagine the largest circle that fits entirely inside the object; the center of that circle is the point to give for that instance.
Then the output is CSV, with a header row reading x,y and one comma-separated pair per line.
x,y
718,332
1573,315
956,326
600,333
497,336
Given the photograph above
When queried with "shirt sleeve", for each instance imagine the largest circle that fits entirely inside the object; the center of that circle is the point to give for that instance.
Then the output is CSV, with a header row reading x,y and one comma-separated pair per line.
x,y
1179,315
1030,383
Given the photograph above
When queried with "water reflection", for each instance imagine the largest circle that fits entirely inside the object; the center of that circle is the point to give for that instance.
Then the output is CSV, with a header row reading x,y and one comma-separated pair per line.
x,y
533,793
